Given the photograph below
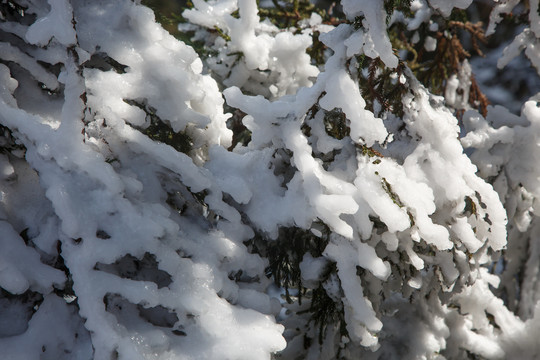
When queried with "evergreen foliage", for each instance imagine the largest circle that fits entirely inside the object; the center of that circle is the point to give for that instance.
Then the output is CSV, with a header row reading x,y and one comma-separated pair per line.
x,y
289,179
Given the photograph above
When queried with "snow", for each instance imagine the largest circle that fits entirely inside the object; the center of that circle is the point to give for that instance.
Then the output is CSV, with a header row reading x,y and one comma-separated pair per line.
x,y
55,24
358,310
430,44
118,243
54,332
376,38
342,93
446,7
268,57
422,13
502,7
19,57
122,212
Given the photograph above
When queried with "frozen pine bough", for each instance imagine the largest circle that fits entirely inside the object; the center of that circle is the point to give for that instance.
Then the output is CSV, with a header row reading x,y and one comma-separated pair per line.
x,y
116,241
351,223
